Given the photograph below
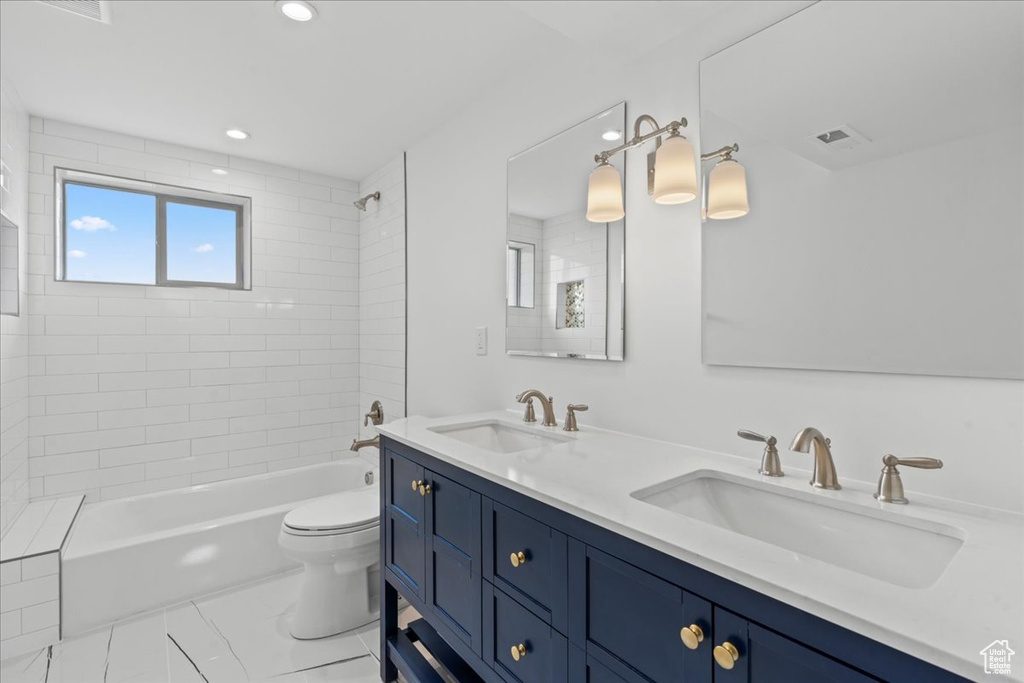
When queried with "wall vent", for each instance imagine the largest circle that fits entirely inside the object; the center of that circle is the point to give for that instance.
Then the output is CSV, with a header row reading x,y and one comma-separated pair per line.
x,y
97,10
838,137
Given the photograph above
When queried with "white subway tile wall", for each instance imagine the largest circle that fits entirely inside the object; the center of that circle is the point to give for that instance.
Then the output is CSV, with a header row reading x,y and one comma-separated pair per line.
x,y
14,330
523,324
381,341
29,603
135,389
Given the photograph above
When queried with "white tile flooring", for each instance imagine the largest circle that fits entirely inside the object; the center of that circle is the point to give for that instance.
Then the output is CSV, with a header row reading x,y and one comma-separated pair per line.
x,y
238,635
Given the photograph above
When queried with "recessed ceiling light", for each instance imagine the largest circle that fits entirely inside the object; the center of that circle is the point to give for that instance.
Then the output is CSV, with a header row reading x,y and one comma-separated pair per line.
x,y
218,171
611,135
296,10
236,134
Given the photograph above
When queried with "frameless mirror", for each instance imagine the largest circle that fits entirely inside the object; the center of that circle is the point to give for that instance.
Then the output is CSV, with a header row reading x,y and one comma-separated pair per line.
x,y
566,275
884,169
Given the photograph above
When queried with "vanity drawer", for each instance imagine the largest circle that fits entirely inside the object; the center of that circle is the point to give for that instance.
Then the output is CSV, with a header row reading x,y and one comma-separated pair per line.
x,y
526,559
507,626
632,622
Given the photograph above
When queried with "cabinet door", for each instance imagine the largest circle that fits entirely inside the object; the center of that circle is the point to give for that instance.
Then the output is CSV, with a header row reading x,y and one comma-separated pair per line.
x,y
758,655
404,552
453,557
632,623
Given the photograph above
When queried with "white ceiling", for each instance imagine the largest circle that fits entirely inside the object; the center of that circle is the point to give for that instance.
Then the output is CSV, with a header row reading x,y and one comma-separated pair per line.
x,y
339,95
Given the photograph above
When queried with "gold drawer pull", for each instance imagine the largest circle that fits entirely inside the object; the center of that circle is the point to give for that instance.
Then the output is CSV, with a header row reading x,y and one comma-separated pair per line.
x,y
517,558
424,489
726,655
416,484
518,651
692,636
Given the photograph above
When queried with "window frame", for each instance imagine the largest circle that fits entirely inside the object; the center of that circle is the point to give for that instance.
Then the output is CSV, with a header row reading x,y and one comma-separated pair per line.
x,y
162,194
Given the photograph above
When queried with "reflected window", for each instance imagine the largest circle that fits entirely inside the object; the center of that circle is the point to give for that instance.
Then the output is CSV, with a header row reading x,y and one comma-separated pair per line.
x,y
521,274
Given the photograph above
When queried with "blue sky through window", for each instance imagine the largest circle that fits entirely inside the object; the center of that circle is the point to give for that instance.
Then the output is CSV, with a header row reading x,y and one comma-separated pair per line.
x,y
200,243
111,235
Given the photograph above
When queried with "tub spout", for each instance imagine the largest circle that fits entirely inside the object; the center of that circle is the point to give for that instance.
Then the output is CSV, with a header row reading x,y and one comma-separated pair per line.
x,y
365,443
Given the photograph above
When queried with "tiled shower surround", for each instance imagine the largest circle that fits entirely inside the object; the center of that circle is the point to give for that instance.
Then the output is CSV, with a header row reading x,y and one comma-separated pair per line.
x,y
135,389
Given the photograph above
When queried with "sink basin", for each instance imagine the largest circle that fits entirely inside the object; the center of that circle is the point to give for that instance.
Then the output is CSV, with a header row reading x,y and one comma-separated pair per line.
x,y
906,552
499,437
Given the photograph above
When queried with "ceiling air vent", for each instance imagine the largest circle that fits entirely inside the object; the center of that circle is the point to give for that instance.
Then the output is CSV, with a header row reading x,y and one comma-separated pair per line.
x,y
840,137
97,10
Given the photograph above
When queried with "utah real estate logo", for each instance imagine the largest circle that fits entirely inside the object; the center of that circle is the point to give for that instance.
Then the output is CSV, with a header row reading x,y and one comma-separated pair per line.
x,y
997,657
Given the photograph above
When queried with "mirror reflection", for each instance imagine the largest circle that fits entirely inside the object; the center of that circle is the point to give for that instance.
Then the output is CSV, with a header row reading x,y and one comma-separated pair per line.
x,y
885,219
565,282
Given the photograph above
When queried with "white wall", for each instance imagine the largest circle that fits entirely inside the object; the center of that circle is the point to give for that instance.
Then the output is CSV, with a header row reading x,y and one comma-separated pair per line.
x,y
457,281
136,389
14,489
382,294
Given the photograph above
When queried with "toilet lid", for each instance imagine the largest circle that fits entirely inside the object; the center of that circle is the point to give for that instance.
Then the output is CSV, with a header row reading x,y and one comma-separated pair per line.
x,y
346,511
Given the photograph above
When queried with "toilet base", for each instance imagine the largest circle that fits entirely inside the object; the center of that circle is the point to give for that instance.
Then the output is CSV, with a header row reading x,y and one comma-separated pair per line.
x,y
332,601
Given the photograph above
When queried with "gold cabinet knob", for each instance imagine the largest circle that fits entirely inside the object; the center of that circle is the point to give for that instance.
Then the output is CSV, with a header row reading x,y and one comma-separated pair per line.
x,y
424,489
416,484
518,651
517,558
726,655
692,636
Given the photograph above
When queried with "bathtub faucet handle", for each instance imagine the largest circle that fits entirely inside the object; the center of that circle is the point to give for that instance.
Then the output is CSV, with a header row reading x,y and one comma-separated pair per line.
x,y
376,414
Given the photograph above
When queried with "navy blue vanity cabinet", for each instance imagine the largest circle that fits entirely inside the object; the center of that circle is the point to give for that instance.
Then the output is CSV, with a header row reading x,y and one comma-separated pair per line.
x,y
512,590
453,557
403,522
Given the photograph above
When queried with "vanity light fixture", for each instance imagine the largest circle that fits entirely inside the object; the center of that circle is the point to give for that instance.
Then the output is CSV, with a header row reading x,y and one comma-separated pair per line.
x,y
237,134
296,10
671,171
726,186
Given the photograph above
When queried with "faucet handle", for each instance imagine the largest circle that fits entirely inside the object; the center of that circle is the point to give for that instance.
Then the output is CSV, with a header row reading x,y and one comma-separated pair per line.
x,y
771,466
754,436
376,414
570,417
890,484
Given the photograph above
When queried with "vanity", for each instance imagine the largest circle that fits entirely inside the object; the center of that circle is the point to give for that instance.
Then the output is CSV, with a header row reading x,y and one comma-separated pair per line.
x,y
534,555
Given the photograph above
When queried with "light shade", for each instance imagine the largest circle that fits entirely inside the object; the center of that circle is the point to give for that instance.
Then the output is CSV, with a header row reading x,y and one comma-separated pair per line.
x,y
675,172
727,190
604,197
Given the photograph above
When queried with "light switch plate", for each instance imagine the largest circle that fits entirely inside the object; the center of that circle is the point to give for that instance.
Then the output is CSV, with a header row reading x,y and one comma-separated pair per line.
x,y
481,341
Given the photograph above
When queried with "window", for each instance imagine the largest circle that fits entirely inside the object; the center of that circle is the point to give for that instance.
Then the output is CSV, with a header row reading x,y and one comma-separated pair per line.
x,y
117,230
520,264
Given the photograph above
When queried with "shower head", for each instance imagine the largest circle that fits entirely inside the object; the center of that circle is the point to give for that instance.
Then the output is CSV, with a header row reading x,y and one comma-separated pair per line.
x,y
361,203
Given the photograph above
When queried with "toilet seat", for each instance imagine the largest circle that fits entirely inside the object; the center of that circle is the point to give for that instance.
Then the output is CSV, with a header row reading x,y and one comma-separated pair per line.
x,y
348,512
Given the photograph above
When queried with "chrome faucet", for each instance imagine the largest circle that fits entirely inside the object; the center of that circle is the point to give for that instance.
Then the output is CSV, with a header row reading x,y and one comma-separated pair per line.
x,y
824,476
546,402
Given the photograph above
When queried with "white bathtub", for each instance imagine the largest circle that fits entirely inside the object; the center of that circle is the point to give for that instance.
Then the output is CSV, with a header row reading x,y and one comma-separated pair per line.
x,y
135,554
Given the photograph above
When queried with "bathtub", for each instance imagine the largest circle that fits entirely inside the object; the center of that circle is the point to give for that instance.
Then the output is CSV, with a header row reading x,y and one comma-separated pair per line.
x,y
136,554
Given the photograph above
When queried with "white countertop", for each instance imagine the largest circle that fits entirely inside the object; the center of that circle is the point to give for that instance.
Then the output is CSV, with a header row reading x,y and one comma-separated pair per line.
x,y
979,598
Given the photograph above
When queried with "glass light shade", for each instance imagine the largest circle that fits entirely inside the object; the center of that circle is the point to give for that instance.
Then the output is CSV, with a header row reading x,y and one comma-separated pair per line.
x,y
727,191
675,172
604,196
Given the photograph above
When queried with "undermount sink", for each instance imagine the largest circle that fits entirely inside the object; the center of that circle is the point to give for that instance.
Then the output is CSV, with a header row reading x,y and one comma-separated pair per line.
x,y
499,437
906,552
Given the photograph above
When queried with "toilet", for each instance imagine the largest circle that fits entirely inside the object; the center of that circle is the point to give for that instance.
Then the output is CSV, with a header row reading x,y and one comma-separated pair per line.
x,y
336,537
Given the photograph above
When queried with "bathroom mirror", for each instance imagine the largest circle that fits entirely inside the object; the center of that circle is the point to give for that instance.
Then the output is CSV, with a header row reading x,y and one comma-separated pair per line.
x,y
884,174
8,267
564,291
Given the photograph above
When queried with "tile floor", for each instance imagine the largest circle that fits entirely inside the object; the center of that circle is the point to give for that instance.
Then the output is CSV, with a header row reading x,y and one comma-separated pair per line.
x,y
238,635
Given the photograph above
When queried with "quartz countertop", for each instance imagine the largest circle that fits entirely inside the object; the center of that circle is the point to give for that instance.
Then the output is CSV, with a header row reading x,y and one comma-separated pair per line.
x,y
977,600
